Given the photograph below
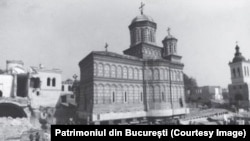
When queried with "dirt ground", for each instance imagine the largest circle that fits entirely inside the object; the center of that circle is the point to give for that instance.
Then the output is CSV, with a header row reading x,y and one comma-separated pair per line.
x,y
18,129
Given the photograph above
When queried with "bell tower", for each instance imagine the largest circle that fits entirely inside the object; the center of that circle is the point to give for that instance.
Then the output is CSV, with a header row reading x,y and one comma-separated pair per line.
x,y
169,51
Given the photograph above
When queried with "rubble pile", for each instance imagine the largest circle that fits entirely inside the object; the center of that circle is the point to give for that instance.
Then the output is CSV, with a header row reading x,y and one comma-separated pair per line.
x,y
12,128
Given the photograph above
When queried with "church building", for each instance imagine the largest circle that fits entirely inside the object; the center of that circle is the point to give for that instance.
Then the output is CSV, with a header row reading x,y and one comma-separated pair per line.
x,y
239,94
144,83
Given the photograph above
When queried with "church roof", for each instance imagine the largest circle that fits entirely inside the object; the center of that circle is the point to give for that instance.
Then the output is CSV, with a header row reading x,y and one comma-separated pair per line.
x,y
238,56
142,17
112,54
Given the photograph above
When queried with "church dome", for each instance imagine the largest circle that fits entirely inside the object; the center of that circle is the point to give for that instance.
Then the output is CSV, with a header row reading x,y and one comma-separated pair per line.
x,y
239,59
238,56
142,18
169,37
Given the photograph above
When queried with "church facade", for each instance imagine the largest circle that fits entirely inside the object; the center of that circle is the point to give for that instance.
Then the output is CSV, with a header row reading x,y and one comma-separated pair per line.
x,y
239,94
146,82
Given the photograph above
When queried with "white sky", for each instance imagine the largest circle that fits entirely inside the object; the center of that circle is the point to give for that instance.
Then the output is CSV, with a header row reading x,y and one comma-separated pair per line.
x,y
59,33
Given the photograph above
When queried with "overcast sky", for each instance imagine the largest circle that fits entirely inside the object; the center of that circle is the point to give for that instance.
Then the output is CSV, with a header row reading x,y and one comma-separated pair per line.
x,y
59,33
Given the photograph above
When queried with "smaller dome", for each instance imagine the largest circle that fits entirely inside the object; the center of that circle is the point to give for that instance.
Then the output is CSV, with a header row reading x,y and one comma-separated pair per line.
x,y
142,18
169,37
238,56
238,59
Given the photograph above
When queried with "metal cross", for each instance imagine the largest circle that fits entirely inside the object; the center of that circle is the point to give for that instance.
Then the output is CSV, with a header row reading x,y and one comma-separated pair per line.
x,y
168,30
106,47
141,7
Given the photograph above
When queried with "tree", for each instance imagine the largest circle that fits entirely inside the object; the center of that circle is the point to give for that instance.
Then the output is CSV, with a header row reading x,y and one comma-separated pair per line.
x,y
190,86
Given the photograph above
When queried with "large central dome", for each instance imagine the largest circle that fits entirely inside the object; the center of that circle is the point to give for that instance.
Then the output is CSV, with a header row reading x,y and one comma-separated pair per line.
x,y
142,18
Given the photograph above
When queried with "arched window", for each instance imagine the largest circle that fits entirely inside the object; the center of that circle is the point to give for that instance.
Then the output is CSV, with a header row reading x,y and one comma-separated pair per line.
x,y
1,93
135,73
163,96
107,71
100,69
125,72
238,69
133,37
150,74
161,74
130,93
107,95
166,74
140,74
113,71
157,93
170,48
54,82
48,81
144,35
174,47
119,72
137,36
130,73
62,87
100,94
151,35
156,74
167,91
151,92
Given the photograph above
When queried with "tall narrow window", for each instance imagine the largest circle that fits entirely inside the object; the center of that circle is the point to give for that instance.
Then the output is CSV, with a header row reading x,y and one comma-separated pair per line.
x,y
113,97
170,48
54,82
247,71
141,97
125,97
234,73
163,96
239,72
62,87
181,102
48,81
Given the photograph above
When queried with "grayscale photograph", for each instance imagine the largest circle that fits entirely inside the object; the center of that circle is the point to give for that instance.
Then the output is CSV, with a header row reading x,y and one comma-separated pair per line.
x,y
122,62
